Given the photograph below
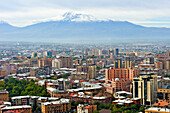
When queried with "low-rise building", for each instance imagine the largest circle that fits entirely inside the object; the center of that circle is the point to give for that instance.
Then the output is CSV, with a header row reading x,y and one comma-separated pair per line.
x,y
17,109
86,108
157,110
3,95
60,106
127,101
164,94
24,100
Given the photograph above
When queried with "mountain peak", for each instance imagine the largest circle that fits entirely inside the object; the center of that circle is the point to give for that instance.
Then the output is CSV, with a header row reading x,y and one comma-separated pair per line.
x,y
70,16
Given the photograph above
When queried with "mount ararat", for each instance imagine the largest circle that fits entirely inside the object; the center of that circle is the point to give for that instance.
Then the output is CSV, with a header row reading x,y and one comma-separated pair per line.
x,y
75,27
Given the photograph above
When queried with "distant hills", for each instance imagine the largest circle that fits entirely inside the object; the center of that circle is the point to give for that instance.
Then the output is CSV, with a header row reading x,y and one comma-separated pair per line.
x,y
81,27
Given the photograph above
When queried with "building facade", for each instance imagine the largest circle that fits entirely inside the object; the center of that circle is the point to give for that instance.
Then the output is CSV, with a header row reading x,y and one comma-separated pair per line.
x,y
60,106
145,88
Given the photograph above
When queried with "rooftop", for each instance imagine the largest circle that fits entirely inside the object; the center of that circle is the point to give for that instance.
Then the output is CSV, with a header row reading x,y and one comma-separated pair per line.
x,y
158,109
3,91
15,107
61,101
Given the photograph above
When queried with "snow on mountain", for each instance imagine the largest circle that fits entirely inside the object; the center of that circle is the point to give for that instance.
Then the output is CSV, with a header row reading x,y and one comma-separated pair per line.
x,y
69,16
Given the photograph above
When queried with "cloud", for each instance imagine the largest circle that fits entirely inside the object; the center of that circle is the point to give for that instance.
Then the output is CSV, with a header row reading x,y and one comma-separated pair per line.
x,y
25,12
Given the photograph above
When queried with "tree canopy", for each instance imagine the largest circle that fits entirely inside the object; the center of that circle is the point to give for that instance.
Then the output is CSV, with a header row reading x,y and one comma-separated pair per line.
x,y
22,87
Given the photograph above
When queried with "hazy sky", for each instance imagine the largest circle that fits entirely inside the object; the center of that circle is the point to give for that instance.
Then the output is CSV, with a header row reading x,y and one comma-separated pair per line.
x,y
143,12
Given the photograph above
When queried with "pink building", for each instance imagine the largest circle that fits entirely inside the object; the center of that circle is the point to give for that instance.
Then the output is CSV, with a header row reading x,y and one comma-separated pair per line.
x,y
9,68
119,79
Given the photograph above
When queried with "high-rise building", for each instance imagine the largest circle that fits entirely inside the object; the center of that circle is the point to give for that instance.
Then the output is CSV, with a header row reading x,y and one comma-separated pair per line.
x,y
90,61
149,60
44,62
34,54
56,63
168,64
158,65
92,71
129,62
89,69
116,51
118,63
119,79
145,88
66,61
34,62
125,74
48,54
161,58
168,54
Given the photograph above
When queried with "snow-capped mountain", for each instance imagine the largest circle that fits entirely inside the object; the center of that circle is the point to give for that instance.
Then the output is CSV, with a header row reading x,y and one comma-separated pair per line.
x,y
70,16
72,26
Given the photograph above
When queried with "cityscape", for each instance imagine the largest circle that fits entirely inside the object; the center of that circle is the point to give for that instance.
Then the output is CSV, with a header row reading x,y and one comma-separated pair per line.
x,y
93,57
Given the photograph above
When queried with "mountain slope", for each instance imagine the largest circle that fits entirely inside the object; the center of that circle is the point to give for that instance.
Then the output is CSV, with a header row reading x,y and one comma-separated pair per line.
x,y
71,28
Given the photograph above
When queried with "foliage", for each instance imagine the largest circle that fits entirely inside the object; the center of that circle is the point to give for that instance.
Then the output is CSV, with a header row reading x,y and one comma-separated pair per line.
x,y
75,104
97,68
95,111
115,108
167,76
94,93
74,58
65,75
112,97
142,109
54,78
22,87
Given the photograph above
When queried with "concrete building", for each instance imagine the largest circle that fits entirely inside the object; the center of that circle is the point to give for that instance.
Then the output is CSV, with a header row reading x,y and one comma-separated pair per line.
x,y
122,74
64,62
44,62
118,63
158,65
60,106
145,88
149,60
56,63
3,95
119,79
89,69
9,68
168,64
86,108
168,54
161,58
79,76
164,94
17,109
129,62
24,100
34,62
157,110
116,51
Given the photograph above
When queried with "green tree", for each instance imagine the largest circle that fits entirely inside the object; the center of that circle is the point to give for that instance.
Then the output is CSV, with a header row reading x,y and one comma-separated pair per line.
x,y
112,97
142,109
95,111
65,75
22,87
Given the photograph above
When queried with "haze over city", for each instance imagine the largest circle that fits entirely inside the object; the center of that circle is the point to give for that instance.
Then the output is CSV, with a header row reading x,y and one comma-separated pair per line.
x,y
84,56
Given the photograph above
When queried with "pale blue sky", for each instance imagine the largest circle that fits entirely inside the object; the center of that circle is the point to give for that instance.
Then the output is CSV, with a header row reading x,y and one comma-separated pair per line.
x,y
143,12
